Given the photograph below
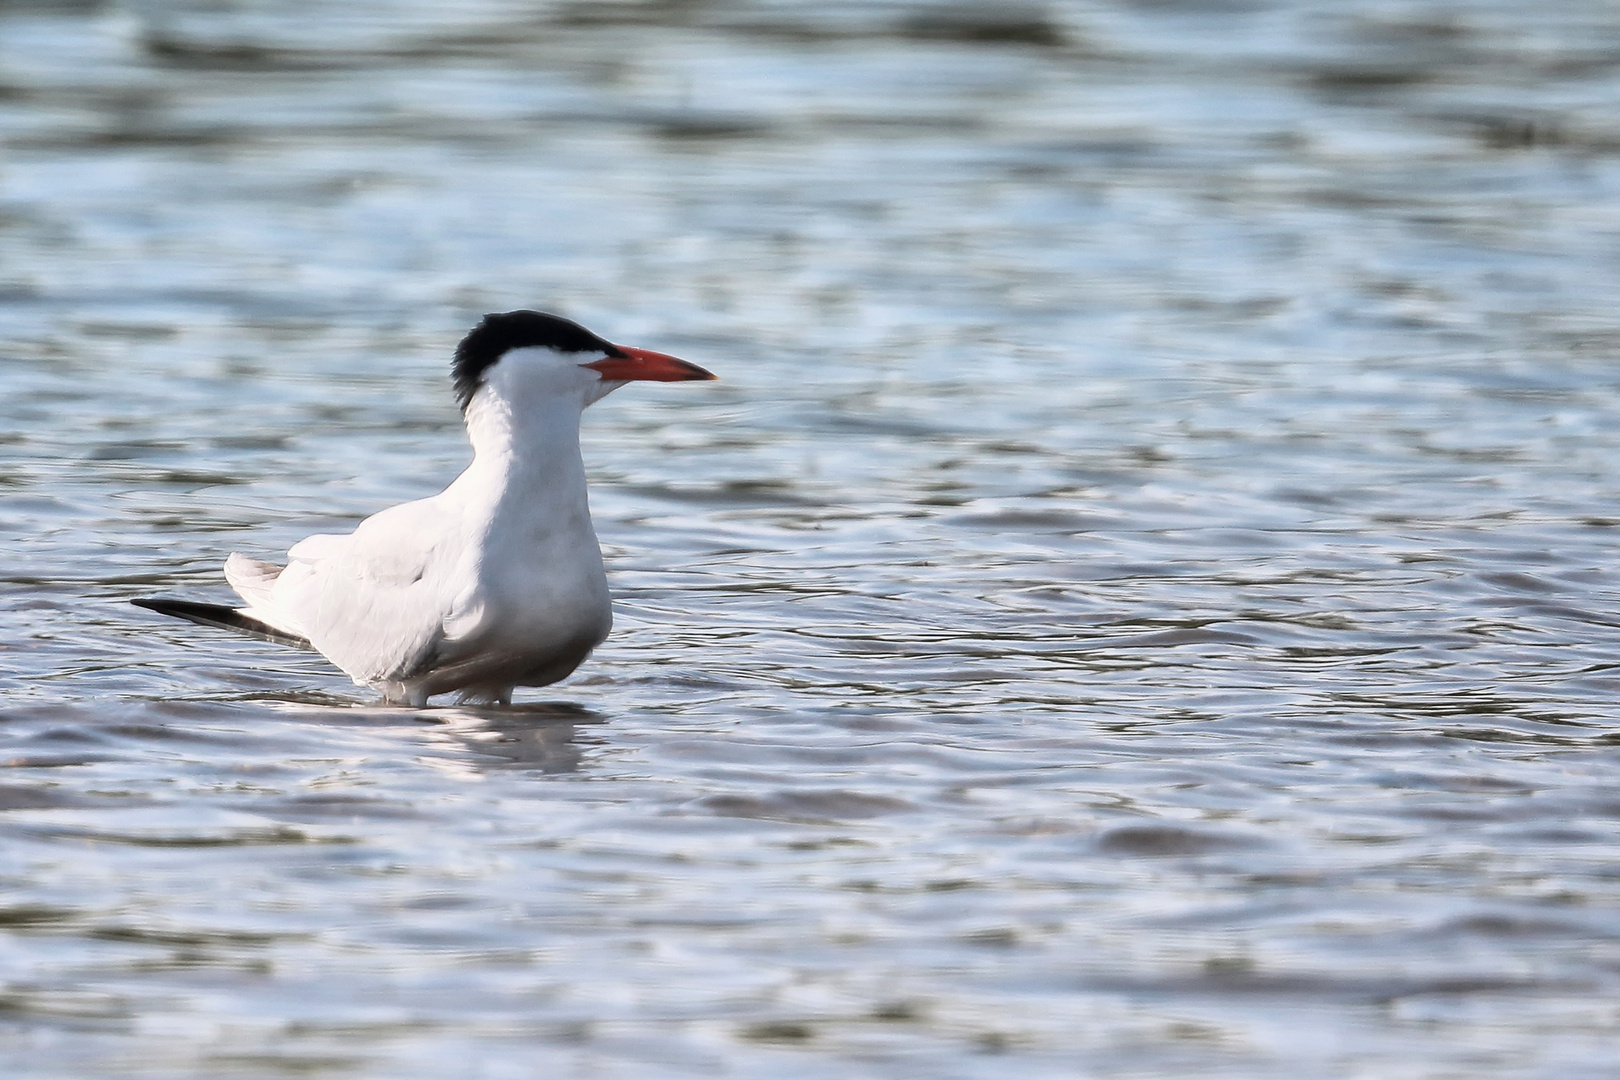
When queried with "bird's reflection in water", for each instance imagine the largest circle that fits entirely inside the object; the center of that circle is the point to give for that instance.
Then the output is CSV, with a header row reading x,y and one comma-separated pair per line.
x,y
539,736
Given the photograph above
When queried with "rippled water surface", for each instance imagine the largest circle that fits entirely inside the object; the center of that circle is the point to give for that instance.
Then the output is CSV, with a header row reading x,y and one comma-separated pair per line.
x,y
1138,605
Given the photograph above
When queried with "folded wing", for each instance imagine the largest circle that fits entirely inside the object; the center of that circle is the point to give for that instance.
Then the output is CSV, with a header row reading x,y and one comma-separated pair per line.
x,y
377,601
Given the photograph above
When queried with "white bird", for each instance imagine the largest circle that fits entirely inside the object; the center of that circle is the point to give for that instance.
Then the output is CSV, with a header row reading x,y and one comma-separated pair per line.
x,y
494,583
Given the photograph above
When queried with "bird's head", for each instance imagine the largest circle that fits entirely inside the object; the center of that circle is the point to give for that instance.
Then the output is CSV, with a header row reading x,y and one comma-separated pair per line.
x,y
532,354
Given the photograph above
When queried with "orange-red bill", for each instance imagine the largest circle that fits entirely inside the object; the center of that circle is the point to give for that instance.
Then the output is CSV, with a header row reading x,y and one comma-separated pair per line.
x,y
646,364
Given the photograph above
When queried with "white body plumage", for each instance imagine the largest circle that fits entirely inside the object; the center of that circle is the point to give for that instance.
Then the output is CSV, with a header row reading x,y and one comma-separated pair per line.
x,y
495,582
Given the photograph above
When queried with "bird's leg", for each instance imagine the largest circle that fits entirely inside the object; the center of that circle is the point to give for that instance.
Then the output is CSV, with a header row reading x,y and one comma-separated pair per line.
x,y
485,695
398,694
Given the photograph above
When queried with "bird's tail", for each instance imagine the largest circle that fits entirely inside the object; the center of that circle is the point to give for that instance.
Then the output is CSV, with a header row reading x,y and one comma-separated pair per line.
x,y
254,581
226,618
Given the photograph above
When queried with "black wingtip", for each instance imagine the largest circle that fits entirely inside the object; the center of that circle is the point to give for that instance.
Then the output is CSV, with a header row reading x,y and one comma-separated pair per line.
x,y
218,615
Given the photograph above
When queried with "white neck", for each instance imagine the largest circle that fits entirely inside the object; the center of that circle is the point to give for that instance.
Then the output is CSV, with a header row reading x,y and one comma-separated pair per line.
x,y
527,459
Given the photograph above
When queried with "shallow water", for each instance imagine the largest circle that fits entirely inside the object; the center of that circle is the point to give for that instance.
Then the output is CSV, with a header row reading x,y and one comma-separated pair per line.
x,y
1138,604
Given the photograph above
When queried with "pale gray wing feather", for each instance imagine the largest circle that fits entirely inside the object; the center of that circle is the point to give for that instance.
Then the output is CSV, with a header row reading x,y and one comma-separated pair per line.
x,y
376,601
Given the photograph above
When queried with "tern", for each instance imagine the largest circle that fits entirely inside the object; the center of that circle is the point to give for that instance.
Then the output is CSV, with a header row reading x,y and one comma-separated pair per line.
x,y
494,583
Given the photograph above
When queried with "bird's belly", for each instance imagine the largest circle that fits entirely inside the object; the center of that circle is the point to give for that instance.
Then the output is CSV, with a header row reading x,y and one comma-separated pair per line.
x,y
547,607
535,642
534,632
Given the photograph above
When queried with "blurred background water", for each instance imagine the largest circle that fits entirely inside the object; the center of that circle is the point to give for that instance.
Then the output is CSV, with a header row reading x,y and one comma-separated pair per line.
x,y
1138,605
